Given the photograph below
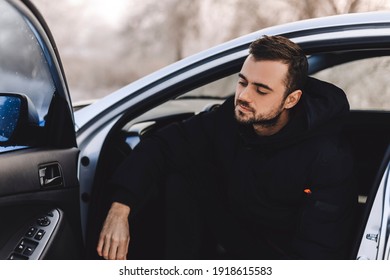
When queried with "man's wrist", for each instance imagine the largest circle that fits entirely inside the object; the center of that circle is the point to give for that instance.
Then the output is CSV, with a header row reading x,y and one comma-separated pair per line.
x,y
120,208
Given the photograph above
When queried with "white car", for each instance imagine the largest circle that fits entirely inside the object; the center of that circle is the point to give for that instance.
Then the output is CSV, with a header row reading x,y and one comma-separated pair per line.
x,y
54,164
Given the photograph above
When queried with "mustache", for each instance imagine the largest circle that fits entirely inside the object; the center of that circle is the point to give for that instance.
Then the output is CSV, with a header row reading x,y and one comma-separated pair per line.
x,y
244,104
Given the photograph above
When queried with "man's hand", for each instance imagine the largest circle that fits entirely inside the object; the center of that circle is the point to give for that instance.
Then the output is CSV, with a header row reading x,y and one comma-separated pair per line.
x,y
115,235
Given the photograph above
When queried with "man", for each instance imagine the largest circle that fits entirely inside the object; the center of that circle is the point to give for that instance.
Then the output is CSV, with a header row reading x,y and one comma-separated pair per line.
x,y
267,174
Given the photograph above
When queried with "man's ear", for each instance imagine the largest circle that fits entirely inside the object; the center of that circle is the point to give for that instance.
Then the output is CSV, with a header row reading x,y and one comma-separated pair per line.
x,y
292,99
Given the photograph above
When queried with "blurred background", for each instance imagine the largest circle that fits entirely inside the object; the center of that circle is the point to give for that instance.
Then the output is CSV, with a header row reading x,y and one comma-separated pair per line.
x,y
105,45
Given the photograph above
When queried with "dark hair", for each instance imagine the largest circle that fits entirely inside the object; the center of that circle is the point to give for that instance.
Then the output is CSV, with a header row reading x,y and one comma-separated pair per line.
x,y
279,48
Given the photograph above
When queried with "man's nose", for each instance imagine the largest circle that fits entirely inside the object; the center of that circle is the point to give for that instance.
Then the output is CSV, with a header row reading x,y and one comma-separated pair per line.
x,y
245,94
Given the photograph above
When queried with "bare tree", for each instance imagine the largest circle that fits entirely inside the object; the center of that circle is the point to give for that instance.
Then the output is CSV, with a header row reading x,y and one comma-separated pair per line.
x,y
350,6
182,25
249,16
312,8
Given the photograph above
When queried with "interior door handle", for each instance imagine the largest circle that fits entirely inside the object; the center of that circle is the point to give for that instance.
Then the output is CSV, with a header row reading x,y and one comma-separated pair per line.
x,y
50,175
54,180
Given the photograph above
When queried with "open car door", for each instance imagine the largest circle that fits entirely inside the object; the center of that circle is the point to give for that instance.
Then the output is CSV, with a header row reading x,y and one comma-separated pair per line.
x,y
39,189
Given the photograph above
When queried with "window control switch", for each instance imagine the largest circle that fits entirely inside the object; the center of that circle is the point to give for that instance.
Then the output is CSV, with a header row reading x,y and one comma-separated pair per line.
x,y
28,251
17,257
20,248
31,231
25,247
39,234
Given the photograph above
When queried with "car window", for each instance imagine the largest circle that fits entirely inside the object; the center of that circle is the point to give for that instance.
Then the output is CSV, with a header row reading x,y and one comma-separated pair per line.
x,y
365,82
23,66
219,89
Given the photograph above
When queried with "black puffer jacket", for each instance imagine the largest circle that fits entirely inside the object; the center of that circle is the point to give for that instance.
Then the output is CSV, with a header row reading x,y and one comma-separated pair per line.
x,y
291,191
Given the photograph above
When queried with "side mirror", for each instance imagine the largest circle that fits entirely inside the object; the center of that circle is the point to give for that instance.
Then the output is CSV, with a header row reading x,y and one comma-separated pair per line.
x,y
18,119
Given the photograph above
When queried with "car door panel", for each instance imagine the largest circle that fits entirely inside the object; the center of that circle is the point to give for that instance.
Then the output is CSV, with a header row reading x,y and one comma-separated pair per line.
x,y
29,162
39,188
26,204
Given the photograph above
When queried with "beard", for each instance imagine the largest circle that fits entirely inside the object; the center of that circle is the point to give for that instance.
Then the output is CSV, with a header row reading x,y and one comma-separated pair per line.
x,y
250,118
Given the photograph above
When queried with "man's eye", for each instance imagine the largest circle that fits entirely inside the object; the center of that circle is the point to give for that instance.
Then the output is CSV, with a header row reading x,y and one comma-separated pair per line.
x,y
261,92
244,84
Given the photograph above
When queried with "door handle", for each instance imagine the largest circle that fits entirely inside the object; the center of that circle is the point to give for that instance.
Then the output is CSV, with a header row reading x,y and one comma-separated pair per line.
x,y
52,181
50,175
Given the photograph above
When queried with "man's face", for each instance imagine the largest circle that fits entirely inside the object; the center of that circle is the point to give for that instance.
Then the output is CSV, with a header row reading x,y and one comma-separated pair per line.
x,y
260,92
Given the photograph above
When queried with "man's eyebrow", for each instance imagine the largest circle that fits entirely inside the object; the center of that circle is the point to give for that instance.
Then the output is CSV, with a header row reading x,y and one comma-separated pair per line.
x,y
242,76
256,84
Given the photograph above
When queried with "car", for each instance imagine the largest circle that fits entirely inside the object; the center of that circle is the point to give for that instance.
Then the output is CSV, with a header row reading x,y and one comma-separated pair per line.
x,y
81,104
55,163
